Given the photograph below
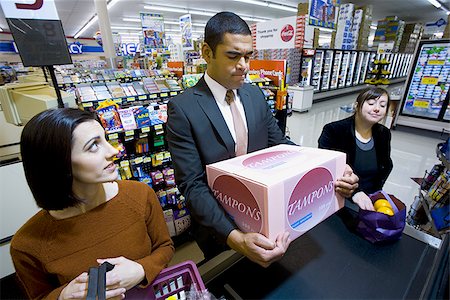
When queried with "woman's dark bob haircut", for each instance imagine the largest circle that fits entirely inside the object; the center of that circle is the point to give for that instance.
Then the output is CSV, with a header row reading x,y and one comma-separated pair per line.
x,y
368,93
46,147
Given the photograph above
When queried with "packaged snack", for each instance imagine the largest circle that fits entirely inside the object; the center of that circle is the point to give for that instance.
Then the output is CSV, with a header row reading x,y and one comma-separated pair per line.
x,y
127,118
109,116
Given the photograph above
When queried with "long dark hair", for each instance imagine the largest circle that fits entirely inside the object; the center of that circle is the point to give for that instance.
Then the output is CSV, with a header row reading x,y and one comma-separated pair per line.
x,y
46,148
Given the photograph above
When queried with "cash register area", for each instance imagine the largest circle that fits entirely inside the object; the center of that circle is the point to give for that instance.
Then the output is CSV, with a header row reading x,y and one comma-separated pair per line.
x,y
413,151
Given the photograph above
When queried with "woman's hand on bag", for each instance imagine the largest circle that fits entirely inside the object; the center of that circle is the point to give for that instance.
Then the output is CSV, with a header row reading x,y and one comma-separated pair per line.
x,y
363,201
127,272
78,287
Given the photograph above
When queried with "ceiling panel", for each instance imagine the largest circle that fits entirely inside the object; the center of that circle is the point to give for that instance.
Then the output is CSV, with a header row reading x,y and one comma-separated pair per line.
x,y
75,13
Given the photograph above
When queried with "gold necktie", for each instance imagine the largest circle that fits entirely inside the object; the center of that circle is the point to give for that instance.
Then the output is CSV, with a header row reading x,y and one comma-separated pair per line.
x,y
239,125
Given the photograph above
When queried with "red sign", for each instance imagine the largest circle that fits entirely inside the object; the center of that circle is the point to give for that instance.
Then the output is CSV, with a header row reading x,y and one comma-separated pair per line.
x,y
272,69
176,67
287,33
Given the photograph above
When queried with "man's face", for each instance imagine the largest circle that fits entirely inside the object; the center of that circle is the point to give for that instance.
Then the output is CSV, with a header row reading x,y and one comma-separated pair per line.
x,y
229,64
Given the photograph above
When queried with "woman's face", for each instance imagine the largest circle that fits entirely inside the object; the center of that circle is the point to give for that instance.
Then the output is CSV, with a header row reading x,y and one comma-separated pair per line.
x,y
92,155
374,110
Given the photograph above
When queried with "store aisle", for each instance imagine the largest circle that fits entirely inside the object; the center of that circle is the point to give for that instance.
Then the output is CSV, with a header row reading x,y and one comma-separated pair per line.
x,y
413,151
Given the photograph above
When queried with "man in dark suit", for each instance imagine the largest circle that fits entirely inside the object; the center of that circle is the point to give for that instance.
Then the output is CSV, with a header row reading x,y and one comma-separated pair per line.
x,y
201,130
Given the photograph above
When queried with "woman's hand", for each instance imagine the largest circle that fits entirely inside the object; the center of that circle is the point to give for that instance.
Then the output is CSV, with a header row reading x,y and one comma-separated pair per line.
x,y
363,201
348,183
77,288
127,272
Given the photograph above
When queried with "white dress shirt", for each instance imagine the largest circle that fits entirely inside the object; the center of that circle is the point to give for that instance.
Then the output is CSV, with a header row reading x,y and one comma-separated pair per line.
x,y
219,93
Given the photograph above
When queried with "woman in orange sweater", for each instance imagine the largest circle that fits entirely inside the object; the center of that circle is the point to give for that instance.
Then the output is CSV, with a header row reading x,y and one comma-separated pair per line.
x,y
87,217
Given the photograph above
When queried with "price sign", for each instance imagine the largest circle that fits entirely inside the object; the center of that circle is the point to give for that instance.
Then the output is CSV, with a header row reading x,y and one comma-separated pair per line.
x,y
113,136
429,80
436,62
421,103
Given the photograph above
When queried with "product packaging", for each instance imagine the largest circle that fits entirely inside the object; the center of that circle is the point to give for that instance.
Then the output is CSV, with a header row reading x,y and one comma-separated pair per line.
x,y
282,188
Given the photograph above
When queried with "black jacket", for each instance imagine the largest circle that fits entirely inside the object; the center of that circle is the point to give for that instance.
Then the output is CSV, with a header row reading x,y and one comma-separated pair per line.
x,y
340,136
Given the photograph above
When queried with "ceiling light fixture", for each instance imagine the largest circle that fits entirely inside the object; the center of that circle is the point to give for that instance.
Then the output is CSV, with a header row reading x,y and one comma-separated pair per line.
x,y
435,3
136,20
255,2
373,26
269,4
166,8
445,9
283,7
126,28
94,19
196,11
85,27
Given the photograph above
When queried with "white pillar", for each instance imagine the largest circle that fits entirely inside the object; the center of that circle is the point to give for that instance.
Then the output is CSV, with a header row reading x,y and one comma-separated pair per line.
x,y
105,29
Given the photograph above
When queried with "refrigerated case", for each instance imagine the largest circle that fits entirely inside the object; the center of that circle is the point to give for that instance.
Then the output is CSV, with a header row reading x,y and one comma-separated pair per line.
x,y
351,69
425,102
326,70
335,71
307,66
317,70
331,69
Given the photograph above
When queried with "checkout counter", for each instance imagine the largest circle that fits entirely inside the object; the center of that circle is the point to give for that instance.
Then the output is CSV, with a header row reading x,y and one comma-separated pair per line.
x,y
331,262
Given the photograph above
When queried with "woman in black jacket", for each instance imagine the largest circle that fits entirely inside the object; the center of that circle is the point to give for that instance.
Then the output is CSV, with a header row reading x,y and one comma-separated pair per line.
x,y
366,143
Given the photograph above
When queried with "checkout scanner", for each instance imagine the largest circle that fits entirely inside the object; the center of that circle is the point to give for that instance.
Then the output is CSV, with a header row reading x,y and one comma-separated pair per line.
x,y
22,101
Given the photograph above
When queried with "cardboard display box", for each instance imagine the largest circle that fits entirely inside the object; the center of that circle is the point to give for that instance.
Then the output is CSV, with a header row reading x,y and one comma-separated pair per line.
x,y
282,188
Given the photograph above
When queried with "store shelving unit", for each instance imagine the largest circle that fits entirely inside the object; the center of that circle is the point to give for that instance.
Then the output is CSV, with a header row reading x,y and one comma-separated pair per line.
x,y
421,212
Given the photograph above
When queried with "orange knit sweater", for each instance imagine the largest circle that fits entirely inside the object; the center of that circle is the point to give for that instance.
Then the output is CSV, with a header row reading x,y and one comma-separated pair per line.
x,y
49,253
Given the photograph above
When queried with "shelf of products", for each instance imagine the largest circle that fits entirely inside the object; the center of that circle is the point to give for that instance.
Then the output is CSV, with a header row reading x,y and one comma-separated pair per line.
x,y
135,125
430,211
73,77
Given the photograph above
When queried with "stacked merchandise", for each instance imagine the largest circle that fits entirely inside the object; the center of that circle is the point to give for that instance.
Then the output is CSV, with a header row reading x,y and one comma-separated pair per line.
x,y
390,30
364,29
411,36
356,27
344,35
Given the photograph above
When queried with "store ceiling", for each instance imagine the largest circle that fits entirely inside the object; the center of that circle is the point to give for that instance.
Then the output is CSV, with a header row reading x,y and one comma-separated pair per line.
x,y
75,13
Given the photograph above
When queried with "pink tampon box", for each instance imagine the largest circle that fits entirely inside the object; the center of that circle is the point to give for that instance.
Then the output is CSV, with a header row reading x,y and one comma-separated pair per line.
x,y
281,188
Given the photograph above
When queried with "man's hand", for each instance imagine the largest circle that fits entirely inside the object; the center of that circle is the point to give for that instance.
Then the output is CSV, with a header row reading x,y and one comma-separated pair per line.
x,y
347,184
363,201
257,247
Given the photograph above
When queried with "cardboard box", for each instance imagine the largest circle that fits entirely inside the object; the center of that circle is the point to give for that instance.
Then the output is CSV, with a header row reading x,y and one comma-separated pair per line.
x,y
282,188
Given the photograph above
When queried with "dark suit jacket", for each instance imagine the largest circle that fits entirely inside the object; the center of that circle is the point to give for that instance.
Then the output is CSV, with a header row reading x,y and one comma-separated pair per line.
x,y
197,135
340,136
